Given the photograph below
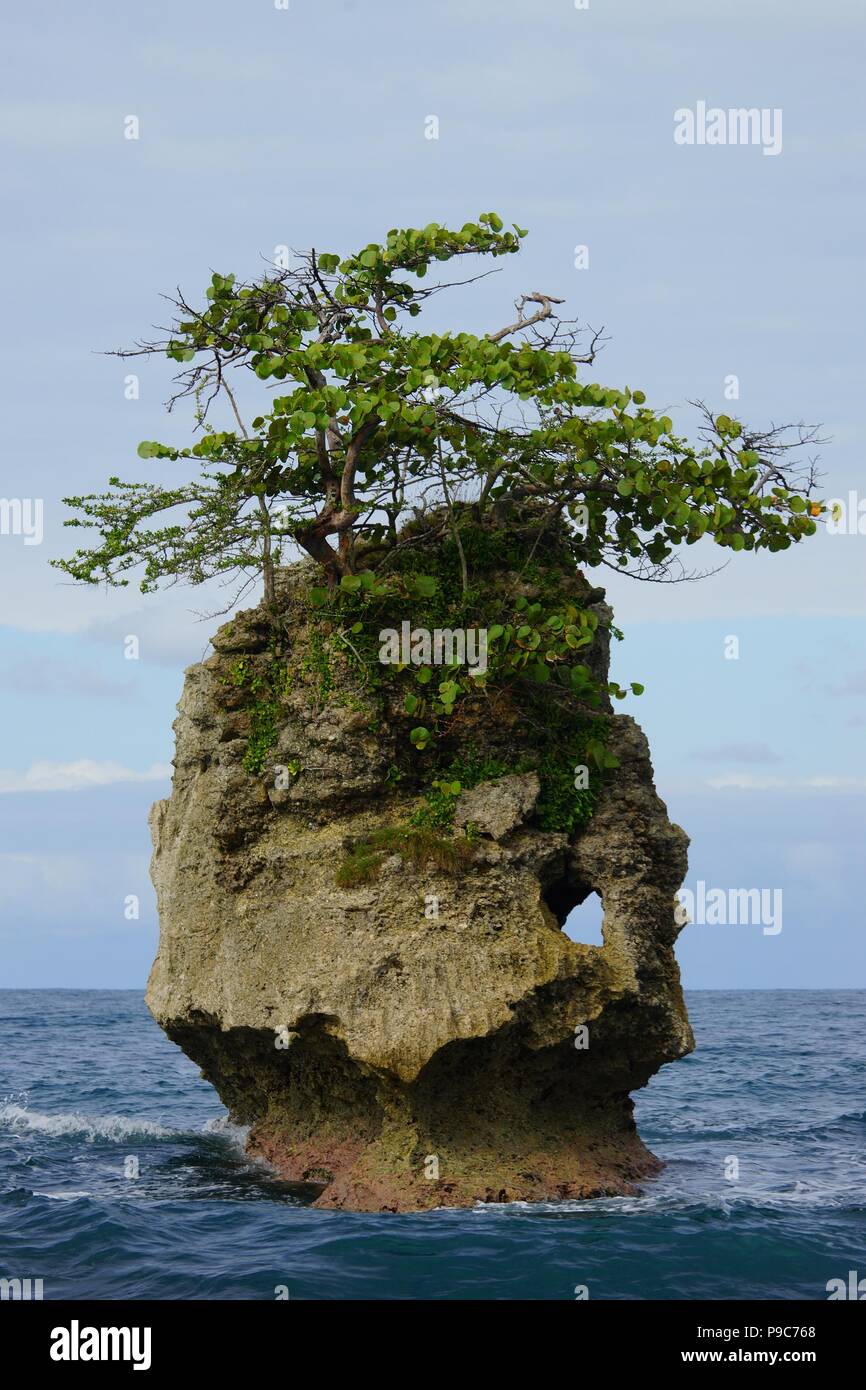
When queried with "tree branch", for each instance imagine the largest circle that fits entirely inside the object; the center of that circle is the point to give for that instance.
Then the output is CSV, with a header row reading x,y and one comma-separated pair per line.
x,y
536,297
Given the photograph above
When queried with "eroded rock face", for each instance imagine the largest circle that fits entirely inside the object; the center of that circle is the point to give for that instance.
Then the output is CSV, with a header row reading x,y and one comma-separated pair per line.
x,y
409,1042
497,808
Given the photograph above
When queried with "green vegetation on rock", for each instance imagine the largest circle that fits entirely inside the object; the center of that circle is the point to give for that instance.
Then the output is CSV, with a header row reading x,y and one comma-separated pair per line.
x,y
444,479
418,845
374,417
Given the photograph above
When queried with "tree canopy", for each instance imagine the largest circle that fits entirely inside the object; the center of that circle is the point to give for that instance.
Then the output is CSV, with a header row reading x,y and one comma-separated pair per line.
x,y
365,418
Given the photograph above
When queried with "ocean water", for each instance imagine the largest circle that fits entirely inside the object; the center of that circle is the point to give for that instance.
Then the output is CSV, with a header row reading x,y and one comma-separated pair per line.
x,y
91,1090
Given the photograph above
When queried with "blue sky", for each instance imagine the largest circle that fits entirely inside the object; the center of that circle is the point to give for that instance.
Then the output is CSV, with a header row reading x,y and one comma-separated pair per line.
x,y
261,127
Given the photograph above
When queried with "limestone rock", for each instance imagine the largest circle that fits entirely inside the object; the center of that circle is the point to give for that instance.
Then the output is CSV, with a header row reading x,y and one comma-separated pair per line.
x,y
409,1042
496,808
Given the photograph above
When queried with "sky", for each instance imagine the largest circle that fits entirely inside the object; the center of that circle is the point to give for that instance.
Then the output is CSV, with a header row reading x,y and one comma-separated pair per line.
x,y
261,126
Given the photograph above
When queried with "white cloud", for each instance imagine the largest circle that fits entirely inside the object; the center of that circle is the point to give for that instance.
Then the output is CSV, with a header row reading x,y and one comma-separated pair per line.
x,y
822,577
77,776
170,634
213,65
42,676
745,781
738,753
28,878
852,684
58,124
635,16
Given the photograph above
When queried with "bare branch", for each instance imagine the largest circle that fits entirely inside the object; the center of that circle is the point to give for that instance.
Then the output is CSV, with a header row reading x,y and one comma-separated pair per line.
x,y
536,297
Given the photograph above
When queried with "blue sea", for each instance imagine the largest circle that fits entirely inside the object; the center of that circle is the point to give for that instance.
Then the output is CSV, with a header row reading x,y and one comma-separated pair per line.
x,y
763,1131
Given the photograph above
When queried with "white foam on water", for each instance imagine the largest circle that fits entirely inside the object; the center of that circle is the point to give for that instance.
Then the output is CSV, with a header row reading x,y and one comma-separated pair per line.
x,y
63,1196
680,1202
116,1127
222,1126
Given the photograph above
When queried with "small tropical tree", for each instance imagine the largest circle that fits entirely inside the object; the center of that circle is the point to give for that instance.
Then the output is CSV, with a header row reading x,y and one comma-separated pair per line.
x,y
363,417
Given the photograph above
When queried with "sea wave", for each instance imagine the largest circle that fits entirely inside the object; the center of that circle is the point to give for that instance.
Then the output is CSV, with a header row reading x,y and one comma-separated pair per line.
x,y
223,1128
204,1220
840,1196
112,1127
63,1196
21,1119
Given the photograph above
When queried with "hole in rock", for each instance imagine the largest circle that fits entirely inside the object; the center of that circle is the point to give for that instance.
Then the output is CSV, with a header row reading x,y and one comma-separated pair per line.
x,y
578,910
583,922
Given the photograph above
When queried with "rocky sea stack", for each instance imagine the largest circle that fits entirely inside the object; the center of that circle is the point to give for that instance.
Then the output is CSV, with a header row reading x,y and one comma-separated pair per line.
x,y
362,884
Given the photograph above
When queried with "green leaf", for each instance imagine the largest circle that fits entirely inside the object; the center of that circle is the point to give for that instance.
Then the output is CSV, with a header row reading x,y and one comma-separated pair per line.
x,y
422,585
351,583
538,672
